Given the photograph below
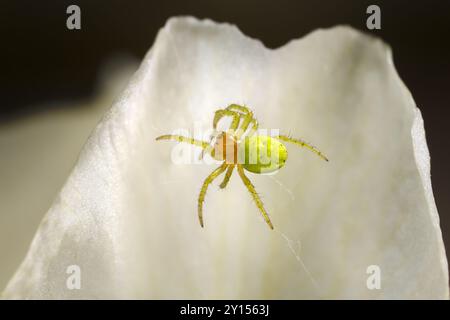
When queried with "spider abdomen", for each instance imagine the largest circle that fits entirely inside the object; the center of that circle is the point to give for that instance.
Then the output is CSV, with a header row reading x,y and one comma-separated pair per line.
x,y
261,154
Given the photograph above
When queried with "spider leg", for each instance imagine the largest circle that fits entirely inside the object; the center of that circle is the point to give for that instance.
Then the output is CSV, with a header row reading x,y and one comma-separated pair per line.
x,y
251,189
206,183
227,176
254,128
246,122
179,138
223,113
302,143
237,107
210,147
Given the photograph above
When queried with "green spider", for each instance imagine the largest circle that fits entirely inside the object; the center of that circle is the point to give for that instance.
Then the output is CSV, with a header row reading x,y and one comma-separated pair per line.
x,y
245,152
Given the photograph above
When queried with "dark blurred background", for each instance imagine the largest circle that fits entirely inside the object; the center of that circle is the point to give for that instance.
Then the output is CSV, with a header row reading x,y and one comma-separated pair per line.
x,y
43,61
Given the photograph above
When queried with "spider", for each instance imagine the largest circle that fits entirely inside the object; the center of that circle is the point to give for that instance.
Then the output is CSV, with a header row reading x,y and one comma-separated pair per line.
x,y
255,153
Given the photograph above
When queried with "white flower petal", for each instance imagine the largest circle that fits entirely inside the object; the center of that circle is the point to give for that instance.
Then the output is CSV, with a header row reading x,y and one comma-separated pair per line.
x,y
127,215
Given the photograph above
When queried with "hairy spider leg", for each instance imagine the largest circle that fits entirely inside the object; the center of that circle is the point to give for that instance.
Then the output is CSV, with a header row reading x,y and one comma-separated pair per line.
x,y
223,113
246,122
247,115
179,138
227,176
248,119
302,143
251,189
206,183
253,129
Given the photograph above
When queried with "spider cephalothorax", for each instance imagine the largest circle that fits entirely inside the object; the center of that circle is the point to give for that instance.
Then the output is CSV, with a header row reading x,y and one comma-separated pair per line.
x,y
239,147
